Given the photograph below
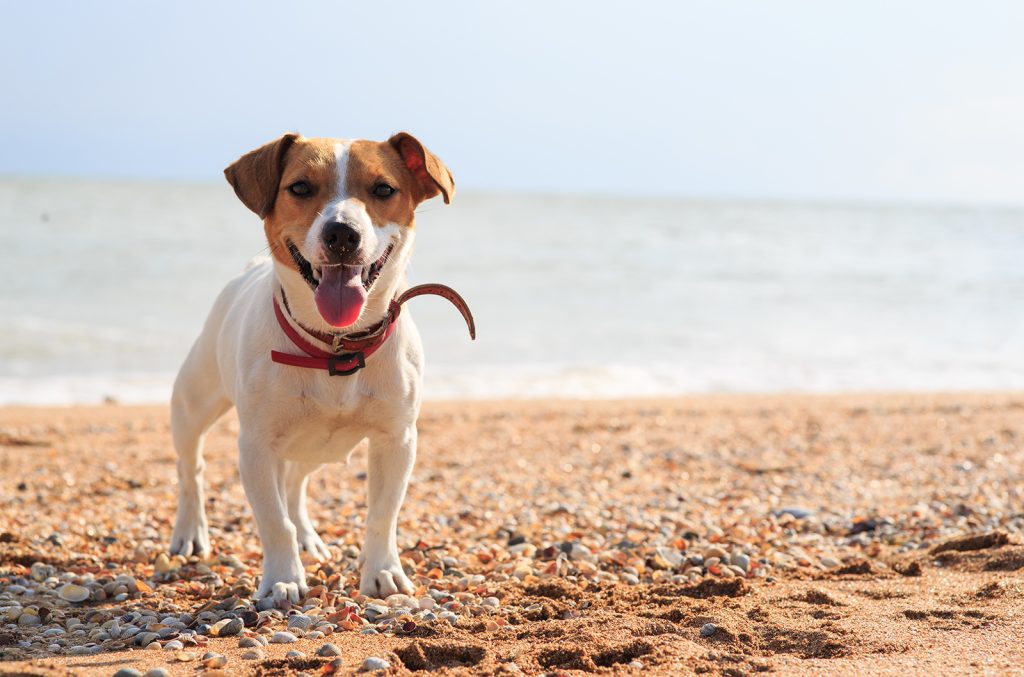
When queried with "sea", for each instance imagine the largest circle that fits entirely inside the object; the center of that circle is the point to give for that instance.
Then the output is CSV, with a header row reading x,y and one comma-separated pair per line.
x,y
105,284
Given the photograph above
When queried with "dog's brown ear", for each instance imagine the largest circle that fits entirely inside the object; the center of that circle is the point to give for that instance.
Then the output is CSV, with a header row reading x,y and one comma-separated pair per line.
x,y
429,172
256,175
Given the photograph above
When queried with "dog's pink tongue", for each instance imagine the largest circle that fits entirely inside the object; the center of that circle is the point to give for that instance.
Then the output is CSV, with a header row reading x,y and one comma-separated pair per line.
x,y
340,295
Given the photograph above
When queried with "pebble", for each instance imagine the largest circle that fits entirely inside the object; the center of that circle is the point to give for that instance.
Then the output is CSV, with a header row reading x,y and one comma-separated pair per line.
x,y
716,552
128,672
70,592
328,650
283,637
29,619
157,672
797,513
374,663
291,655
740,560
299,621
708,629
227,627
214,661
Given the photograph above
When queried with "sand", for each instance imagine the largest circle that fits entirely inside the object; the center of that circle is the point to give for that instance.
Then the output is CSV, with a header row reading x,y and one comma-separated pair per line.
x,y
880,535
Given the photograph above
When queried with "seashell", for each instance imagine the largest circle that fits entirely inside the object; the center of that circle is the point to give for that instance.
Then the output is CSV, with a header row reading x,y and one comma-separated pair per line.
x,y
73,593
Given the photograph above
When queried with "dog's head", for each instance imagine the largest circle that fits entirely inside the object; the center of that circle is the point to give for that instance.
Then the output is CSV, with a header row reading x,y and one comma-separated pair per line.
x,y
340,214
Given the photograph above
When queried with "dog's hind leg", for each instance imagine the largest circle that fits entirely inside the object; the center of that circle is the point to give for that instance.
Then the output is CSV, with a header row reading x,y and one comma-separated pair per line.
x,y
196,404
296,477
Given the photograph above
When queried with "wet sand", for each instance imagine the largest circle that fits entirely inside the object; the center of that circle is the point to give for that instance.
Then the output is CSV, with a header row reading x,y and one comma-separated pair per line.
x,y
860,534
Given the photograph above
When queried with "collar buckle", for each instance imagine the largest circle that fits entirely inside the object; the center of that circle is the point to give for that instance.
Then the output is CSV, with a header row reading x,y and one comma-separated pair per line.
x,y
333,362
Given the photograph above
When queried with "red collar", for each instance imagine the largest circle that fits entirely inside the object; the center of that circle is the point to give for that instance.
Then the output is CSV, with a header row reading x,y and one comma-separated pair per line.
x,y
351,350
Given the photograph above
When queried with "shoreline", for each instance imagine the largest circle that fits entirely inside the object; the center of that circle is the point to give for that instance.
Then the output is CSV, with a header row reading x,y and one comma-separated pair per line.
x,y
815,532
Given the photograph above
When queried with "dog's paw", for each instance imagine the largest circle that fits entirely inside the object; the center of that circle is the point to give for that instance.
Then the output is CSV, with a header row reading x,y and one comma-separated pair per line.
x,y
282,591
311,543
284,578
190,537
383,580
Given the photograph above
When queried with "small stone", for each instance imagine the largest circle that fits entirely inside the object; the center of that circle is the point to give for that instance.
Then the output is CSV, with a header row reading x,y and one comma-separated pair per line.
x,y
328,650
70,592
829,562
215,661
145,638
127,672
578,551
374,663
227,627
157,672
708,629
636,665
740,560
291,655
400,600
254,655
29,619
162,565
714,552
40,572
283,638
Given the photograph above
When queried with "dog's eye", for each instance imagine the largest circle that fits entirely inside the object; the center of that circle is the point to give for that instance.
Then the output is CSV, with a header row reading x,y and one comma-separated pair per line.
x,y
300,189
383,191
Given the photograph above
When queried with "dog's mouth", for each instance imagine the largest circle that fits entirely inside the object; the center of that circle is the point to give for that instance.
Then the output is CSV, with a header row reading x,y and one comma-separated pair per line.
x,y
339,290
312,275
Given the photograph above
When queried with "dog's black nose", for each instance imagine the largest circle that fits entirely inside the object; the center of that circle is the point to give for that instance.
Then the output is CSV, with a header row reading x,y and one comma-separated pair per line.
x,y
341,238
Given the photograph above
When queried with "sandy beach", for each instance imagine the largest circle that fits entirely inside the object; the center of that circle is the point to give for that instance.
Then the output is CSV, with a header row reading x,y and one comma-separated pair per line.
x,y
858,535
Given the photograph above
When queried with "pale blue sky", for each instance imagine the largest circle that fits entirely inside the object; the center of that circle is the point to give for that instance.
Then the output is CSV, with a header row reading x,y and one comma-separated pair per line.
x,y
882,101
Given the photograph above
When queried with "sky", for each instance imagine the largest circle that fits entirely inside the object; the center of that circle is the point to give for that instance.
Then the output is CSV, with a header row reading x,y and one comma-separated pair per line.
x,y
881,101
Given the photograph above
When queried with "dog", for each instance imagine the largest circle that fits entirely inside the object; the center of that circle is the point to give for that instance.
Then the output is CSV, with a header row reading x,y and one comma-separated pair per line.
x,y
339,220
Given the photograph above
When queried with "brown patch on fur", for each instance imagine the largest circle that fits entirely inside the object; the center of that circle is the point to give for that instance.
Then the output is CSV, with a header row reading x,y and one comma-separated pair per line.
x,y
425,167
255,176
312,161
371,163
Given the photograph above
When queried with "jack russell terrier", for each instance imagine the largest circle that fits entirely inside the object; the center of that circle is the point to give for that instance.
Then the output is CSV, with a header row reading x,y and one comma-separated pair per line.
x,y
312,348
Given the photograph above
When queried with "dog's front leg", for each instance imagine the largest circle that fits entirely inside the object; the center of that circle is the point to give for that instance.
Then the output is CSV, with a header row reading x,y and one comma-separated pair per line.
x,y
391,459
263,478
